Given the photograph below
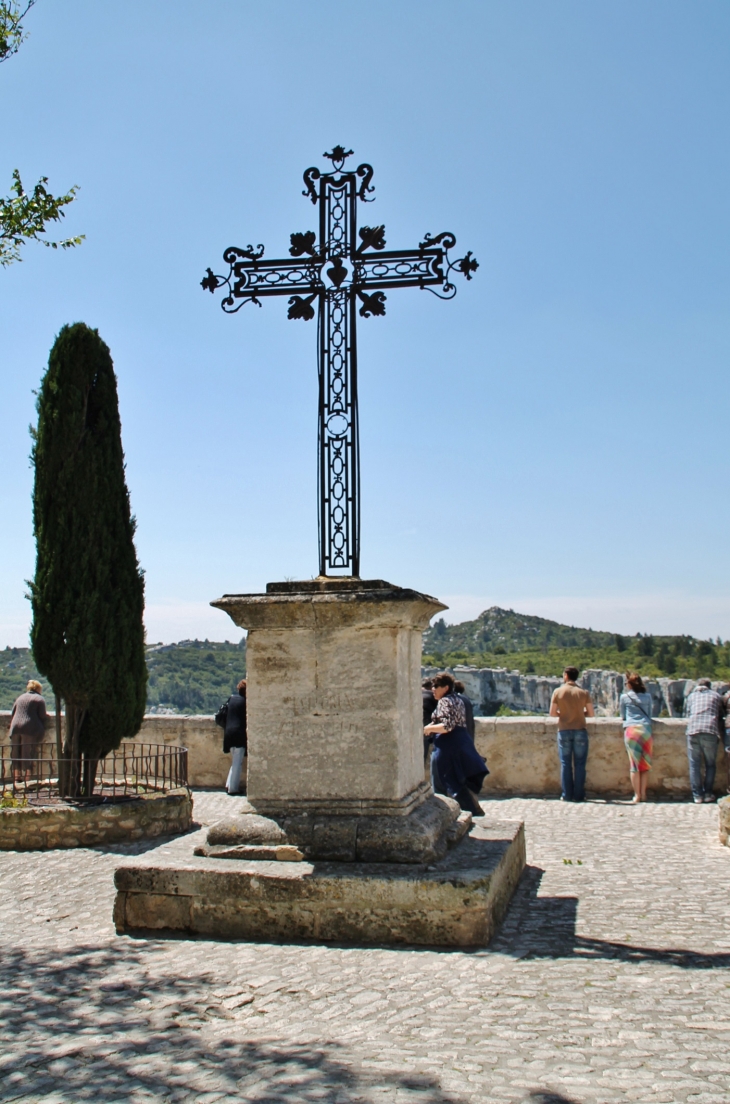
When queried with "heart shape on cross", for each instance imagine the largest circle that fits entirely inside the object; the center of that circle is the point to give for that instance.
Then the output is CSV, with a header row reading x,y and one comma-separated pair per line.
x,y
337,273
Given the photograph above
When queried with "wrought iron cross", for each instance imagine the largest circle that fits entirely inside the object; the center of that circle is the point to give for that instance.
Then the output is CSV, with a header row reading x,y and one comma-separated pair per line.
x,y
345,271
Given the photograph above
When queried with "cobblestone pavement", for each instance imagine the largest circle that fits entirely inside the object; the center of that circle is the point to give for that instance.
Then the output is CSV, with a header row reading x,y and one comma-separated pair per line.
x,y
609,981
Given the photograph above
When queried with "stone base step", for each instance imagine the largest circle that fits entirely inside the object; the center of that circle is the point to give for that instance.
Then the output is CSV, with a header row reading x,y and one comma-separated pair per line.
x,y
457,901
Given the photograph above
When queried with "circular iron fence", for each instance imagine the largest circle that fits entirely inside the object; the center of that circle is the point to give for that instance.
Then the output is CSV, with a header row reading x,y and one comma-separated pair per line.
x,y
40,777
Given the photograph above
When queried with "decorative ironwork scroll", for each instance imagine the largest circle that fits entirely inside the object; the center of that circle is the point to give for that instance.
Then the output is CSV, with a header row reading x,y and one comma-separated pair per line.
x,y
344,272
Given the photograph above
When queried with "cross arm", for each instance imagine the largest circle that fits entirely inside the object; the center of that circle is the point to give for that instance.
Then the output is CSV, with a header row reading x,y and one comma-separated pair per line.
x,y
250,277
429,266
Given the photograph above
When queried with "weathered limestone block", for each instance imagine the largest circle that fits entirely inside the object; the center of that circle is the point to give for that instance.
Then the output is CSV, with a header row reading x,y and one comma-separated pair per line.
x,y
422,836
457,901
723,810
335,723
334,701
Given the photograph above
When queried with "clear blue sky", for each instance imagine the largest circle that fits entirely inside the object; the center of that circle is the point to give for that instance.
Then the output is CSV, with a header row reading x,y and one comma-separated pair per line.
x,y
554,440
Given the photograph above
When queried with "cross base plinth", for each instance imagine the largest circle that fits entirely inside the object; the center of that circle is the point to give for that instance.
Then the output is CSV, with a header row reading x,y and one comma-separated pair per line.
x,y
457,901
422,836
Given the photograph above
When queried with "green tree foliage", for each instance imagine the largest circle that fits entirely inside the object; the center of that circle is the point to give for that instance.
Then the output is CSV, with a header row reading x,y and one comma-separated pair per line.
x,y
88,593
23,218
11,26
24,215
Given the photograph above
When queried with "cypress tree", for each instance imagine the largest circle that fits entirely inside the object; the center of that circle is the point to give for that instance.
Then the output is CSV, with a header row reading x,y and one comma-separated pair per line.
x,y
88,592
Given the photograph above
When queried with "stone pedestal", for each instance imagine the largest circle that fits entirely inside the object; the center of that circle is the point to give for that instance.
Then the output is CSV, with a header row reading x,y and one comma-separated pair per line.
x,y
458,901
335,723
340,838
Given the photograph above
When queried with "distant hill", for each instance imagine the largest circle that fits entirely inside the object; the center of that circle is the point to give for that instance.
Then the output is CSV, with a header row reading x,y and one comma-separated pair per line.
x,y
503,638
16,668
512,631
194,676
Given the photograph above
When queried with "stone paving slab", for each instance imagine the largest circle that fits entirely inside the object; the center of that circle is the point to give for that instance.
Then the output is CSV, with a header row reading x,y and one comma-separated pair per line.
x,y
608,981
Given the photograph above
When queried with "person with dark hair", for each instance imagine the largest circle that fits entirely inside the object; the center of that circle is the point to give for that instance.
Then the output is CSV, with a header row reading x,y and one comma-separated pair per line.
x,y
429,704
571,705
234,736
705,713
457,769
635,709
460,691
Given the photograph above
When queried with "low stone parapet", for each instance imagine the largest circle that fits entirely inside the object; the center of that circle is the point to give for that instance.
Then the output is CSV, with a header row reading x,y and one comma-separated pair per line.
x,y
44,828
522,756
521,753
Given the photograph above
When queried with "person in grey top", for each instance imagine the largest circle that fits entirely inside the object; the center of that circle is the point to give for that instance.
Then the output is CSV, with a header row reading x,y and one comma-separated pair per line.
x,y
27,729
705,713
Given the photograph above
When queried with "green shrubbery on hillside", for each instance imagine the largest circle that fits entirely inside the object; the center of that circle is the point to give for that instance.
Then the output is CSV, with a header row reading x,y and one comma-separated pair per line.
x,y
16,668
194,676
534,645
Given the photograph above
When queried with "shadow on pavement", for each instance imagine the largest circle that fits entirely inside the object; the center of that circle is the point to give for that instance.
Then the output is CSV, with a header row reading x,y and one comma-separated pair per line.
x,y
545,927
93,1024
548,1098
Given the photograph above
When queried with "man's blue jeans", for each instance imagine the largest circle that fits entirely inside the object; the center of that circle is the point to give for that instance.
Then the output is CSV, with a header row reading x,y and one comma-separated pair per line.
x,y
702,746
573,751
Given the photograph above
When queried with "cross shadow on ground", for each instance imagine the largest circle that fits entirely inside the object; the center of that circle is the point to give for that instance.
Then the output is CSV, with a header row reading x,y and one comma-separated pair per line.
x,y
545,927
91,1024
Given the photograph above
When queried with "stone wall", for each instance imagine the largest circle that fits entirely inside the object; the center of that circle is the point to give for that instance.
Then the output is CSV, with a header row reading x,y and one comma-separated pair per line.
x,y
490,687
143,817
521,753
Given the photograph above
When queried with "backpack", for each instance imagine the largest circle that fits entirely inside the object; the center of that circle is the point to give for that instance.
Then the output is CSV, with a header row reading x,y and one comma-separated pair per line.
x,y
222,715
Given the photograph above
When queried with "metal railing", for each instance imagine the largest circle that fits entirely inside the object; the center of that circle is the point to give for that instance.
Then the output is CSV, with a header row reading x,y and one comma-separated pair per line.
x,y
131,770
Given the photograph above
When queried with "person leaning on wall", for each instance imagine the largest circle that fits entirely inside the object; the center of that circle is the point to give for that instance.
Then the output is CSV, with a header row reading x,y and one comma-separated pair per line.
x,y
27,729
705,713
232,718
571,705
635,709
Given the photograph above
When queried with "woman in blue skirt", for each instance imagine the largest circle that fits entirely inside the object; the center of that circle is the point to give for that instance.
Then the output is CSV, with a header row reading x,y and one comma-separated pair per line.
x,y
457,768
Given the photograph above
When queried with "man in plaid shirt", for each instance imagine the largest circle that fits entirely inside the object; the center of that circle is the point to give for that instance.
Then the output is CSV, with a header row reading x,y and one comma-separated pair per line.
x,y
705,713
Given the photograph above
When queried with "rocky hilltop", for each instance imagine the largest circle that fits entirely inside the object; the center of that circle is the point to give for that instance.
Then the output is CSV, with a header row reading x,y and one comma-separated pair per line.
x,y
536,645
514,632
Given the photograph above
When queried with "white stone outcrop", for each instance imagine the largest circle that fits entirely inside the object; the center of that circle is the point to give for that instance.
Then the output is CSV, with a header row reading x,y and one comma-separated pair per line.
x,y
491,687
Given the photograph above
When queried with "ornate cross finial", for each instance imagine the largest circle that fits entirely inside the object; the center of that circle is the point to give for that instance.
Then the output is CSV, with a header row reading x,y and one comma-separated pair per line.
x,y
338,156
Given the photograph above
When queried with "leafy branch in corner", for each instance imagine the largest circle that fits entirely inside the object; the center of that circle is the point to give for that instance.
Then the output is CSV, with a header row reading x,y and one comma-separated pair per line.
x,y
23,217
11,27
